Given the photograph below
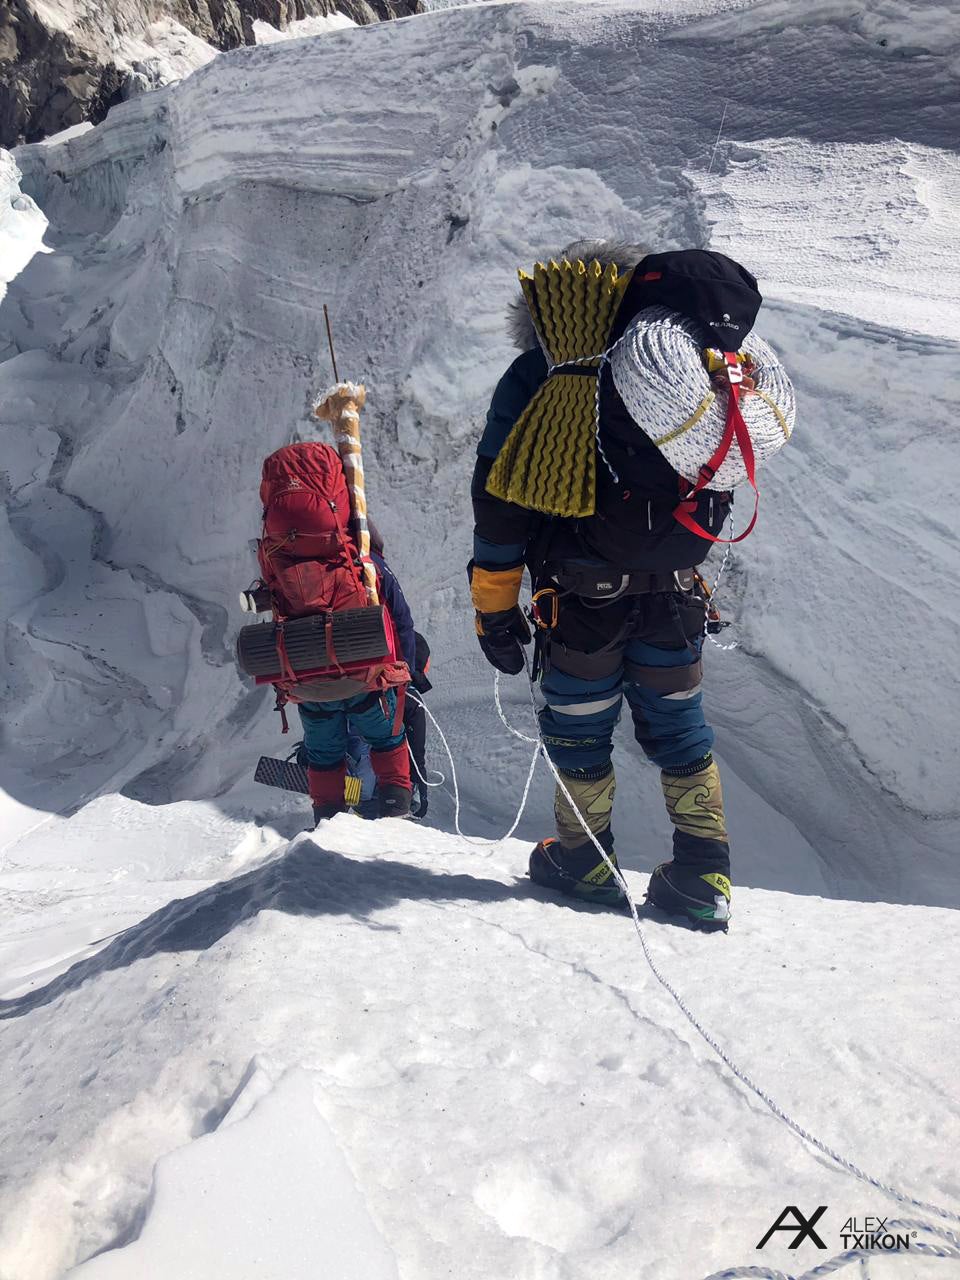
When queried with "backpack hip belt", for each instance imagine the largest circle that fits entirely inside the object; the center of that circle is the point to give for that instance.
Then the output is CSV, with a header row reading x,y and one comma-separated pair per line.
x,y
605,583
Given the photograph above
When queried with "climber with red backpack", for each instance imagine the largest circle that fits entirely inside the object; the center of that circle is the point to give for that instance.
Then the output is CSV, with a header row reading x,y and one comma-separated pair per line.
x,y
606,469
332,647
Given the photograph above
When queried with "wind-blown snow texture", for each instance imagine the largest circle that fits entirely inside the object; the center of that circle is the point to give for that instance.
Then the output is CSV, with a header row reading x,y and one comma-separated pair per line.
x,y
507,1083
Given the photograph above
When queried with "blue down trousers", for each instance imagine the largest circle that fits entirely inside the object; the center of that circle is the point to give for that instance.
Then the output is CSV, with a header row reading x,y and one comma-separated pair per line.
x,y
643,648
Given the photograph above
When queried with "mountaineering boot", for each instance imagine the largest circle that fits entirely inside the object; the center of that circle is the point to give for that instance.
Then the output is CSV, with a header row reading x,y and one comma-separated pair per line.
x,y
393,801
703,897
572,863
394,791
579,873
327,791
696,884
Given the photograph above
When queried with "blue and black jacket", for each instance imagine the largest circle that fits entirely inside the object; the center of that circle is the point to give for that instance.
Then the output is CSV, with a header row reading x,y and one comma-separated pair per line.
x,y
395,601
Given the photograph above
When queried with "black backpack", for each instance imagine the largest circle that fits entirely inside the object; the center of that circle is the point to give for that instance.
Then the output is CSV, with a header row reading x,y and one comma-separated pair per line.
x,y
634,524
712,290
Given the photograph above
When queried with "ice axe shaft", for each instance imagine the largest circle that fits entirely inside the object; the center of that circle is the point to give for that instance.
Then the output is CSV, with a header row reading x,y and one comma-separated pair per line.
x,y
333,355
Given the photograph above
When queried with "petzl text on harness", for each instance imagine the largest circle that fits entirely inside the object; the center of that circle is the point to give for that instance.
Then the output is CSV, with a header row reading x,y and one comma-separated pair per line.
x,y
548,461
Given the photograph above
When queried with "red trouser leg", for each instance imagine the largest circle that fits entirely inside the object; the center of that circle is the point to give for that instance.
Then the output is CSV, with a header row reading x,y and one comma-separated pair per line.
x,y
392,767
326,785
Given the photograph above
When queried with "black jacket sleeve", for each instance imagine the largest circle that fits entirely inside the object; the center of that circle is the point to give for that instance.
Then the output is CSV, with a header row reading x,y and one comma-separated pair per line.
x,y
502,530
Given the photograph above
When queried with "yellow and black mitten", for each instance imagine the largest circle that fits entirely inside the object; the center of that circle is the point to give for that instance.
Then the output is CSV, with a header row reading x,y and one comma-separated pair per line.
x,y
548,461
501,627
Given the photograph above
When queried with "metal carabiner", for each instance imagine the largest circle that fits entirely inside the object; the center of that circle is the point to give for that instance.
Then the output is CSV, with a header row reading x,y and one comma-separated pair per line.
x,y
535,609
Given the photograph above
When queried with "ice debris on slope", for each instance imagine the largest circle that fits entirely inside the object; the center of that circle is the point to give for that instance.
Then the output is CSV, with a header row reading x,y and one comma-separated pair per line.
x,y
317,25
22,223
166,52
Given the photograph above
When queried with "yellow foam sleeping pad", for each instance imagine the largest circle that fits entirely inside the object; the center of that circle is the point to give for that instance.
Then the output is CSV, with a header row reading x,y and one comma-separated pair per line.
x,y
548,461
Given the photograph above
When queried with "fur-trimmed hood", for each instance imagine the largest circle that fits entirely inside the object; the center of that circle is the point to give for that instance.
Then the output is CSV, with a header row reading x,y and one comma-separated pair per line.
x,y
519,322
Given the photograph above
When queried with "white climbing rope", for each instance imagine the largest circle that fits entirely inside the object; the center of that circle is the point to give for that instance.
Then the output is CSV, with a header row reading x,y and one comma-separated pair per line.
x,y
441,777
477,840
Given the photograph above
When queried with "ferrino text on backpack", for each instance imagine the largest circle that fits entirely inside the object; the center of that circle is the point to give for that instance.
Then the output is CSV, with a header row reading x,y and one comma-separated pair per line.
x,y
707,393
328,639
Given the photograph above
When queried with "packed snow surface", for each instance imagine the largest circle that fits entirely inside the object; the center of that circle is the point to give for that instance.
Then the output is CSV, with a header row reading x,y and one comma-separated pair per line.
x,y
201,1003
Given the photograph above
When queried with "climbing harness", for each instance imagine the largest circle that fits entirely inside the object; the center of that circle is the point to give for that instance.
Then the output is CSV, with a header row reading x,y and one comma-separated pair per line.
x,y
714,623
544,613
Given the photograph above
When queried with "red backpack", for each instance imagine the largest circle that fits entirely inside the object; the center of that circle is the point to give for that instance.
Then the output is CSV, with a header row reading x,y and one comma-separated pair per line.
x,y
307,554
311,567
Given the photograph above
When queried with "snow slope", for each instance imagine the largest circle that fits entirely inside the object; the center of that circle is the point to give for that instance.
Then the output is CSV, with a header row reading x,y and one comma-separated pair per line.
x,y
171,338
279,1226
512,1090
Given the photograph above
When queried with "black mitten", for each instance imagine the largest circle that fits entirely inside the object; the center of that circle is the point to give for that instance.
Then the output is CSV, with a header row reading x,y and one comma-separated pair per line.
x,y
501,636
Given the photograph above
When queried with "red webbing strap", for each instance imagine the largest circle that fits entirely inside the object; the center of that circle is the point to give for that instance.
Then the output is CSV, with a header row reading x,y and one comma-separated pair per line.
x,y
358,577
398,717
286,670
734,429
328,640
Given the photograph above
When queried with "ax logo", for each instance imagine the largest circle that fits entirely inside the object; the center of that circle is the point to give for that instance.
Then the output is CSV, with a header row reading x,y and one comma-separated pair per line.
x,y
804,1227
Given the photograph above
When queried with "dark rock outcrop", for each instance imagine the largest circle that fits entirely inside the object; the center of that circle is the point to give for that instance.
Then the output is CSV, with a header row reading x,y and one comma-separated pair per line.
x,y
53,76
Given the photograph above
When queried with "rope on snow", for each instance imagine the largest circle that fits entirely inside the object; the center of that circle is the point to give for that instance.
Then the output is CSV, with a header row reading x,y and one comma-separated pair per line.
x,y
951,1250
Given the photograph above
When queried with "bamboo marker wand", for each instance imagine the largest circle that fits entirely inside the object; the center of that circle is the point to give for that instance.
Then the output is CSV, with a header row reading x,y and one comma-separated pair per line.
x,y
333,358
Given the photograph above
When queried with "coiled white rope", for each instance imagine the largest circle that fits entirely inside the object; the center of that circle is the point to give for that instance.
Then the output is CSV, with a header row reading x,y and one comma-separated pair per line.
x,y
659,372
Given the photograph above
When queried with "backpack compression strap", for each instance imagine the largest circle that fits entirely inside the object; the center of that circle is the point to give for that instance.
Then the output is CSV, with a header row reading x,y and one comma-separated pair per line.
x,y
734,428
